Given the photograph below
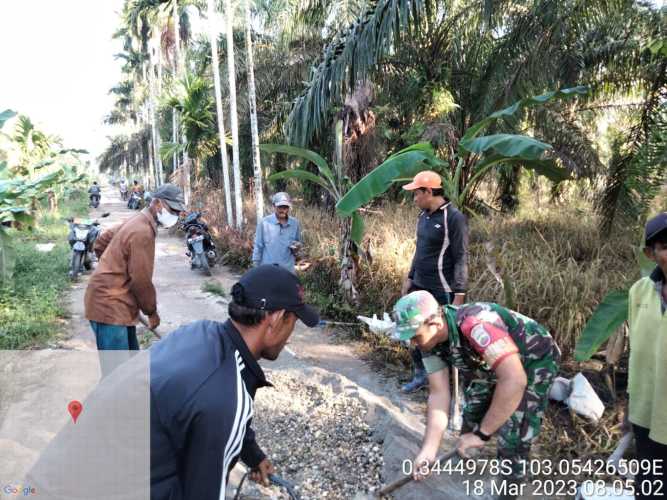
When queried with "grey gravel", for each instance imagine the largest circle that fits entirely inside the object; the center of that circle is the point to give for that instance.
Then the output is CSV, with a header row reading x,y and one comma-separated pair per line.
x,y
317,438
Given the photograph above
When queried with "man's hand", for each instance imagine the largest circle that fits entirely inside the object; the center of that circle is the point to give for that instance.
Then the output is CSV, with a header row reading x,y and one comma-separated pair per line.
x,y
153,321
421,467
459,298
467,443
260,474
406,286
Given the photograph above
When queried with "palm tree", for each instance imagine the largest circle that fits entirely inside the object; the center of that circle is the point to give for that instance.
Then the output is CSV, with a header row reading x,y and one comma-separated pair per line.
x,y
177,65
192,98
252,100
238,187
215,68
484,55
154,66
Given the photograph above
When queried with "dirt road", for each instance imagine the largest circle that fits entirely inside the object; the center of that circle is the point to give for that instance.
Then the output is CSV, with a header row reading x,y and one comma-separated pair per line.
x,y
396,422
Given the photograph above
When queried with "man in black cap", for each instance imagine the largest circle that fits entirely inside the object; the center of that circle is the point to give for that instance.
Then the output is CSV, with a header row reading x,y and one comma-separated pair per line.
x,y
203,381
122,284
646,415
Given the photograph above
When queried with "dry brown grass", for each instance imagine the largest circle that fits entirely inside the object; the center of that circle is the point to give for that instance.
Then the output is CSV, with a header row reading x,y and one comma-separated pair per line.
x,y
558,265
556,261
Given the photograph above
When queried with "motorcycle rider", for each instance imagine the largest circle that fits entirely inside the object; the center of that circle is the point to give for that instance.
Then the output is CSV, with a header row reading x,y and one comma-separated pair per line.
x,y
123,189
122,283
94,192
137,191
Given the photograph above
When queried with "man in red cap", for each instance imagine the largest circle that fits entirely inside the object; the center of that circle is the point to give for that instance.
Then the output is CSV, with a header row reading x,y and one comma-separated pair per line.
x,y
440,263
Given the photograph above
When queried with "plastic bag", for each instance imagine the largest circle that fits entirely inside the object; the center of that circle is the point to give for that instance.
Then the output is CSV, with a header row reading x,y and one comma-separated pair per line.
x,y
584,400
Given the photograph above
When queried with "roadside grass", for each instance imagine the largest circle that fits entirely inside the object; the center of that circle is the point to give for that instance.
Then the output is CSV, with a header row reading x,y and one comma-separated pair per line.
x,y
214,287
31,308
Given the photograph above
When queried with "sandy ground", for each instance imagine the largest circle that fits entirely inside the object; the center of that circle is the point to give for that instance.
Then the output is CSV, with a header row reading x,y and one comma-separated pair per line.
x,y
397,421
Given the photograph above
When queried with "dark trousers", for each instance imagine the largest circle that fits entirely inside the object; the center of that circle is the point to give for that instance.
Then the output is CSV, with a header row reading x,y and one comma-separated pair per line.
x,y
114,344
652,484
443,299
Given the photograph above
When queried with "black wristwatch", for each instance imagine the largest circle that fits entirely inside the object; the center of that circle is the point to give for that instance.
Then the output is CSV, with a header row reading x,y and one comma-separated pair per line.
x,y
478,432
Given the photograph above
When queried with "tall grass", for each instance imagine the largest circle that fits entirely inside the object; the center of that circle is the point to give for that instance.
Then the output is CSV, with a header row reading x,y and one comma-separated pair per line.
x,y
558,265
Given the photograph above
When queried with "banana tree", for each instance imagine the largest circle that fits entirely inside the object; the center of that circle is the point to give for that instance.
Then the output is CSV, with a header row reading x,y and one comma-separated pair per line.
x,y
192,98
484,153
337,184
16,196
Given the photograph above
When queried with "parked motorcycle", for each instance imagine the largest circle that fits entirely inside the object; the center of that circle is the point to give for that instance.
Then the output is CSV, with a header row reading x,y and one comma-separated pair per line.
x,y
201,249
81,237
136,201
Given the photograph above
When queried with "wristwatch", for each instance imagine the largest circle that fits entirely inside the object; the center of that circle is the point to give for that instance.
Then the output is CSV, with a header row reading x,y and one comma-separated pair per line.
x,y
477,431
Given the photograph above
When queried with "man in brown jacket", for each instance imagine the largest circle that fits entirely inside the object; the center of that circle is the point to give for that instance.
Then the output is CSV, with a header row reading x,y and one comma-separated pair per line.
x,y
122,283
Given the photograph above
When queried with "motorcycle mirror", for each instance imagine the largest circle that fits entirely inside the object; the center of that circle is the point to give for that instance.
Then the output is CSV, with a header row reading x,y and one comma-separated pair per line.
x,y
70,219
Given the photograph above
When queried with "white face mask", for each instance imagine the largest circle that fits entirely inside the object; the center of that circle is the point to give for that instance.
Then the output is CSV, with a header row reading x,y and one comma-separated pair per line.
x,y
166,218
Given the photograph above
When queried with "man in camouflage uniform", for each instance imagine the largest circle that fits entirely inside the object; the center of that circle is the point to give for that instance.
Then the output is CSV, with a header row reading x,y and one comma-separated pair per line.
x,y
508,363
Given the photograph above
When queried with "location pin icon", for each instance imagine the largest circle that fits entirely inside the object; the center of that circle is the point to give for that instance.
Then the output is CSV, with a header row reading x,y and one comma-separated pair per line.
x,y
75,408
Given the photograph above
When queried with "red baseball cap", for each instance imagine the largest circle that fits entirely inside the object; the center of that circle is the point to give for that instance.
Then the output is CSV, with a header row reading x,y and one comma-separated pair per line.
x,y
425,179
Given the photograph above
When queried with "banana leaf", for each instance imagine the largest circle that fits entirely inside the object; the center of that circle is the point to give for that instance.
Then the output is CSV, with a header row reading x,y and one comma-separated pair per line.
x,y
547,168
306,154
72,150
42,164
302,175
609,315
46,180
405,163
523,103
508,145
7,114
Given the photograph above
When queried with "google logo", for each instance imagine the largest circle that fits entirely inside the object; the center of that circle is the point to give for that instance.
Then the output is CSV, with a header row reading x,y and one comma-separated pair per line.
x,y
18,490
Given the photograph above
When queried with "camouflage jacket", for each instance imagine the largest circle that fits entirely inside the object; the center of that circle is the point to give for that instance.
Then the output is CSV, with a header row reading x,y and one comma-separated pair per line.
x,y
482,334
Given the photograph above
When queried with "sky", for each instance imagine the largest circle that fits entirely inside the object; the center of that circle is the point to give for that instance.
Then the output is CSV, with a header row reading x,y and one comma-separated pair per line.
x,y
57,66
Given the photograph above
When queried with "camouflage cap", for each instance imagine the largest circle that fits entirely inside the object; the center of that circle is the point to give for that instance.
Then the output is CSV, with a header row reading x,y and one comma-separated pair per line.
x,y
411,311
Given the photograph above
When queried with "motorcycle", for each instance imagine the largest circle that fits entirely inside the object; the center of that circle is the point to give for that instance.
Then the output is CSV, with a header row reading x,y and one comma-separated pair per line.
x,y
201,249
94,200
81,238
136,201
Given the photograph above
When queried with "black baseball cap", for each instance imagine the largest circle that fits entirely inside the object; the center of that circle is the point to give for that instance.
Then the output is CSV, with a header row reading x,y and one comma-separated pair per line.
x,y
655,226
171,195
272,288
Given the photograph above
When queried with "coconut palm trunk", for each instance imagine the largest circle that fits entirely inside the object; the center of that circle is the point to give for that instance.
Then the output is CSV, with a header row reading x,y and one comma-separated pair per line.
x,y
152,83
179,67
238,188
257,167
215,67
160,174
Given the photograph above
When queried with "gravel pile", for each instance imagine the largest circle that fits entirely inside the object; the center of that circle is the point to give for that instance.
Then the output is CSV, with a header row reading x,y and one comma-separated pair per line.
x,y
316,437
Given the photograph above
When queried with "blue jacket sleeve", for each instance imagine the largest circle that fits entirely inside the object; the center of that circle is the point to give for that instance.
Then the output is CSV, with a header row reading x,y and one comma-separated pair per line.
x,y
259,244
251,453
